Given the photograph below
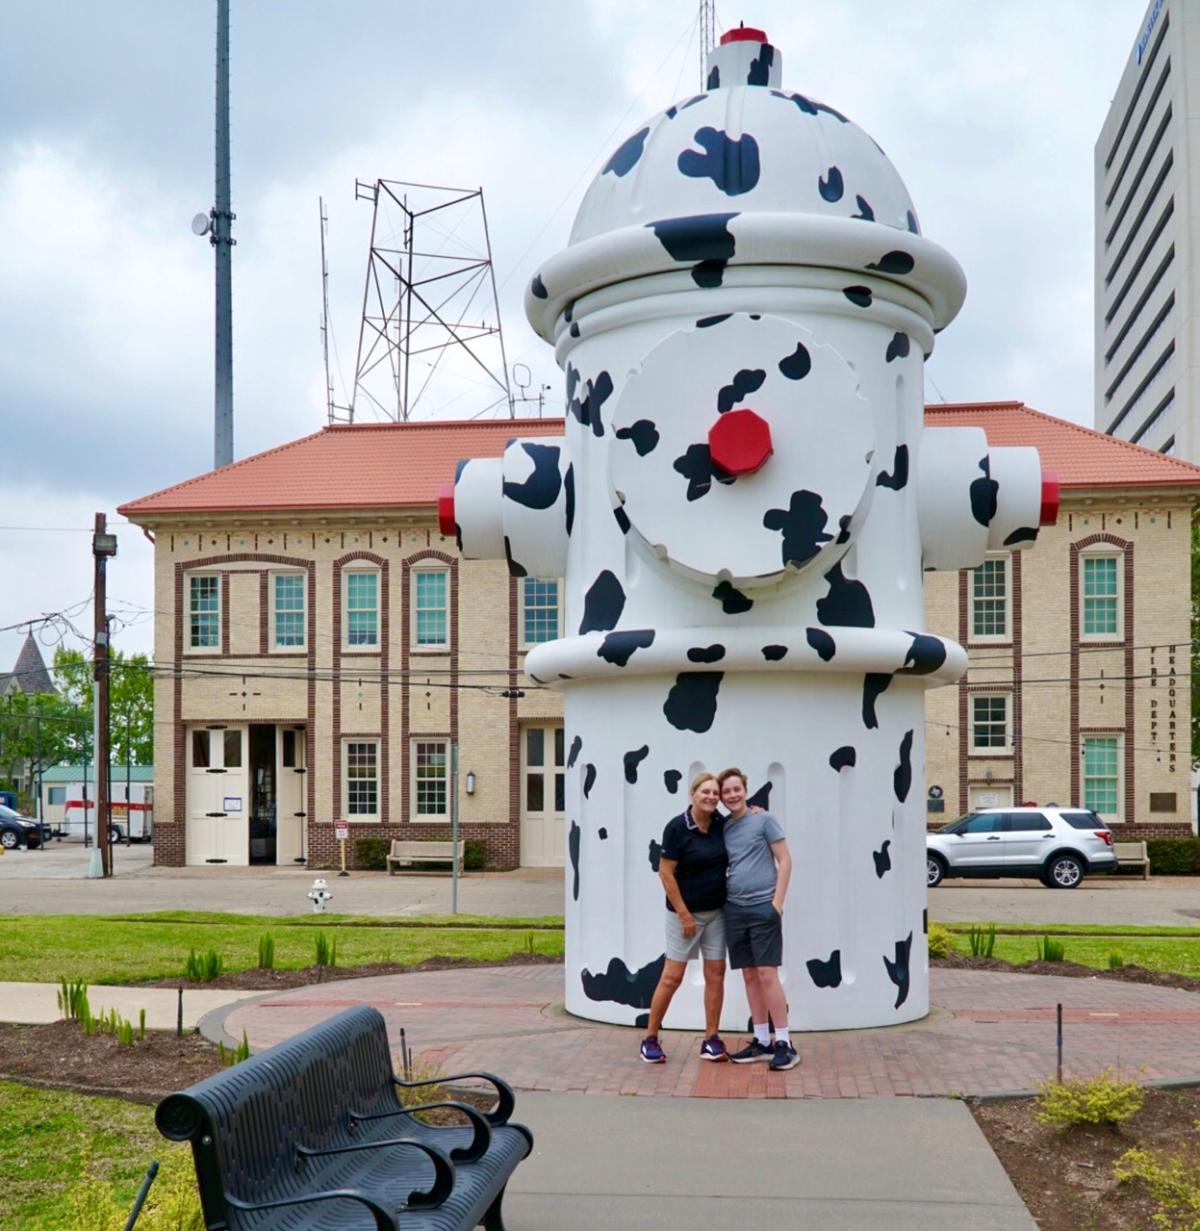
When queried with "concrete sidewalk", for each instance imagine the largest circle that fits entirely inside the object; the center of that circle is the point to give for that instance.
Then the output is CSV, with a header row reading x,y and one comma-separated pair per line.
x,y
709,1164
33,1003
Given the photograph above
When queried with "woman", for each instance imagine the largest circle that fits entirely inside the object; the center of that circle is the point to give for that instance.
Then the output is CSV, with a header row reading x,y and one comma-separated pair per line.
x,y
692,870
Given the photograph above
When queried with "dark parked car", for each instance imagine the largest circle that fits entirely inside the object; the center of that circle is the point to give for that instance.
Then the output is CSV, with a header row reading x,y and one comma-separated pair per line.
x,y
17,830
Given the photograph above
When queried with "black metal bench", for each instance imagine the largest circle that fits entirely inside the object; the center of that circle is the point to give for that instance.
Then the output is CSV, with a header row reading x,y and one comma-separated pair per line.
x,y
311,1135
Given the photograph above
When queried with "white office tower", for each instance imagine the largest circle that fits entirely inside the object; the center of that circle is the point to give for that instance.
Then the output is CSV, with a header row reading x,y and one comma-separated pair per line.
x,y
1147,178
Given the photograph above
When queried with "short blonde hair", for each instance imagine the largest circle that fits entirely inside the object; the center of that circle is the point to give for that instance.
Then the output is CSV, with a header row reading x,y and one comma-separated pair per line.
x,y
732,772
702,777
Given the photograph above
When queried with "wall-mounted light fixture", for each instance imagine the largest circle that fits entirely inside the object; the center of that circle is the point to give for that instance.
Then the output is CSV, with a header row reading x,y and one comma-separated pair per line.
x,y
470,782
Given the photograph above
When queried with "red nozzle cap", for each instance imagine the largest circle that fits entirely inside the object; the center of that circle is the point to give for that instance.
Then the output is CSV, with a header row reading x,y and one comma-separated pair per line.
x,y
744,34
445,509
1051,497
740,441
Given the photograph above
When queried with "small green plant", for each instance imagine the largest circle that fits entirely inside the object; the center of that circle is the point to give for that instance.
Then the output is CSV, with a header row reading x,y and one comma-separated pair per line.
x,y
1099,1100
371,854
474,854
142,1025
940,941
203,968
1173,1182
73,1000
125,1033
234,1055
1049,949
435,1092
982,940
266,951
1115,960
326,953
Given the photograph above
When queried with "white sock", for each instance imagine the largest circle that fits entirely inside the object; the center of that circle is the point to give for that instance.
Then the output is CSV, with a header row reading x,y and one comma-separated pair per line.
x,y
762,1033
781,1035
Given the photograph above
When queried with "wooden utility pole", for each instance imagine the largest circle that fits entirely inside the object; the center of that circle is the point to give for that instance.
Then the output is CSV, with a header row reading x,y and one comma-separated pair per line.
x,y
104,545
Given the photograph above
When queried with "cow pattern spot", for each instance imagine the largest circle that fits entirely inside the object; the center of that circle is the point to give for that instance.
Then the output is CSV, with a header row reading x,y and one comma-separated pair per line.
x,y
760,67
655,854
602,604
1023,534
589,779
573,754
626,155
874,686
826,972
748,380
883,859
774,653
732,600
671,780
895,262
706,653
761,798
707,322
897,968
844,528
632,760
802,525
822,642
623,986
538,287
844,757
810,106
573,849
731,164
983,494
703,238
602,833
897,478
924,656
541,489
622,518
696,465
912,223
898,347
515,567
618,648
691,704
587,408
860,296
865,212
847,603
798,364
902,775
713,81
569,497
830,185
643,435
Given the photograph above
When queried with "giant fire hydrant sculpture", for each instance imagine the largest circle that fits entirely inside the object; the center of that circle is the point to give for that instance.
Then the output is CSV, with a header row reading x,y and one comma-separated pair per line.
x,y
741,510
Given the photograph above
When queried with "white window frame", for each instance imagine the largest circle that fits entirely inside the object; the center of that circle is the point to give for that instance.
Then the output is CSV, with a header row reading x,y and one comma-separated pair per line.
x,y
1102,551
347,744
416,573
1118,740
415,754
296,647
190,612
523,640
1004,558
991,750
372,647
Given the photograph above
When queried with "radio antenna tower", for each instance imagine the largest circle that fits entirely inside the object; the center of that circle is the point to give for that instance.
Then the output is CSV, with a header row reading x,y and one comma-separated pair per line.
x,y
708,37
429,338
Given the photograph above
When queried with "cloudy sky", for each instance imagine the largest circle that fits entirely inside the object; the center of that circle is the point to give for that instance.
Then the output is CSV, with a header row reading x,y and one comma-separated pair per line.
x,y
989,111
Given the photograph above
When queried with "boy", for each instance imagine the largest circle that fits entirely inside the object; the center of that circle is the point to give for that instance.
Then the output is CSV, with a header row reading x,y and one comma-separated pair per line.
x,y
760,867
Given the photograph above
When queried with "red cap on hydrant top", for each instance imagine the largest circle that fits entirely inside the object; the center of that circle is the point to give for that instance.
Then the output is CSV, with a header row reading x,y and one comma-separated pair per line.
x,y
1050,499
445,510
744,34
740,441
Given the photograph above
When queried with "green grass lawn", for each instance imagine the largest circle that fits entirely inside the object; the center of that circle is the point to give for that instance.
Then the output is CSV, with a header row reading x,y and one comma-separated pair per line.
x,y
137,948
49,1139
1176,950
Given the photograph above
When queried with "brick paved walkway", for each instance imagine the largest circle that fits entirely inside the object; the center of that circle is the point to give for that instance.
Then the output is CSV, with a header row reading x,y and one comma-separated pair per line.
x,y
988,1032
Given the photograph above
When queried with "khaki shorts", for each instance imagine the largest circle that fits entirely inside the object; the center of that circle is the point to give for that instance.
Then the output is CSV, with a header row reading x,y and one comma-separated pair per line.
x,y
709,940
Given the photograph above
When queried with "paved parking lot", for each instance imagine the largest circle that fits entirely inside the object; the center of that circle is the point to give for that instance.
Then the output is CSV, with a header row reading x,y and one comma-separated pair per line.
x,y
31,883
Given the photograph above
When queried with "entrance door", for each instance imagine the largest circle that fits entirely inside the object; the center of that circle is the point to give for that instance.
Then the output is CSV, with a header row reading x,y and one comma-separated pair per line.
x,y
291,766
217,809
262,793
543,791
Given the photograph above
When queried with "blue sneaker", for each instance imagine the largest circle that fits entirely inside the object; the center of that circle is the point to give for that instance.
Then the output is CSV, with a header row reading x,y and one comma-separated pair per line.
x,y
651,1052
783,1057
713,1049
754,1050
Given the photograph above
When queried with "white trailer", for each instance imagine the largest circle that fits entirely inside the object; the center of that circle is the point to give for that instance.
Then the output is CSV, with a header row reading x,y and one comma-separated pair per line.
x,y
131,811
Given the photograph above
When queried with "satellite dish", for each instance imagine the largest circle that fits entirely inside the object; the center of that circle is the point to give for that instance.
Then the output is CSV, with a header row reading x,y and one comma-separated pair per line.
x,y
201,224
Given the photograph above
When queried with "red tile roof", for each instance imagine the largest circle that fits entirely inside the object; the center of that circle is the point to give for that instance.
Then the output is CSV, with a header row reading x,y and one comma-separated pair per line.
x,y
402,465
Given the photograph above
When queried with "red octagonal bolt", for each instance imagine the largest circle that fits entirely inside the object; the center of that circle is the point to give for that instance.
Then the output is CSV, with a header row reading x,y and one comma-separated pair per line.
x,y
740,441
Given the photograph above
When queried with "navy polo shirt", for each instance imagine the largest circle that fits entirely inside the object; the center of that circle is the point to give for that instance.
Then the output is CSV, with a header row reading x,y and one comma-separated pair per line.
x,y
700,859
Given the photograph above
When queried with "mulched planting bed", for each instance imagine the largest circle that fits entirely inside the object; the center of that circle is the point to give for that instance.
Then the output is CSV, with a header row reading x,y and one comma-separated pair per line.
x,y
1070,970
1066,1178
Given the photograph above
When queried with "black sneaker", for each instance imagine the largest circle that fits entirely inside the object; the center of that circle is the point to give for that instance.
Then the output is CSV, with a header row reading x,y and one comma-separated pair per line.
x,y
783,1056
754,1050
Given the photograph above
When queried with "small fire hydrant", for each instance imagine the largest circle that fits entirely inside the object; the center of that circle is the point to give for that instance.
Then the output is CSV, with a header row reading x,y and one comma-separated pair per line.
x,y
320,895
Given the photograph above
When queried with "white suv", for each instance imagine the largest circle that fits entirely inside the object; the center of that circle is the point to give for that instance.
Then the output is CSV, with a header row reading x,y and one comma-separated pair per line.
x,y
1057,845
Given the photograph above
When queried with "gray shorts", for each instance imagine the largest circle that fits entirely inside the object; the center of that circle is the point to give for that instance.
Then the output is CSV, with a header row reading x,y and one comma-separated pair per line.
x,y
709,940
755,934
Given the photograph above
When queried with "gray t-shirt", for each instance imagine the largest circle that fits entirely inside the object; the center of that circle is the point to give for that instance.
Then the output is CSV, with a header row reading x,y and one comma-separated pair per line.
x,y
751,864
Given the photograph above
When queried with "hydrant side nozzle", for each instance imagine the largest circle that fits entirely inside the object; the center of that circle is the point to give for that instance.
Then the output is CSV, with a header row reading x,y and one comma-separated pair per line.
x,y
1051,499
445,511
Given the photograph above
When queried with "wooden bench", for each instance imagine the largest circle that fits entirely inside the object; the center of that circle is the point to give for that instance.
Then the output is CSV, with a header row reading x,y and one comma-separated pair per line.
x,y
1132,855
405,853
312,1134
